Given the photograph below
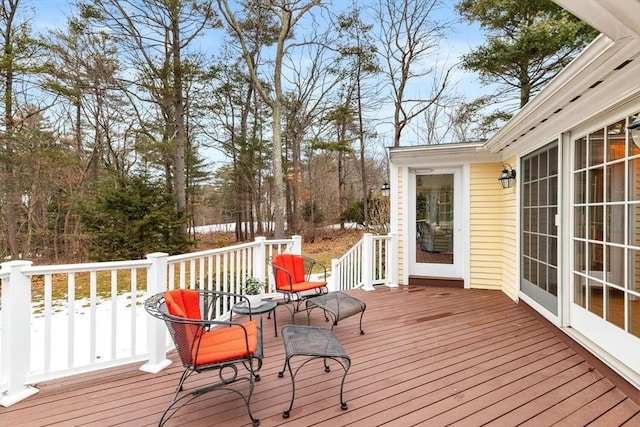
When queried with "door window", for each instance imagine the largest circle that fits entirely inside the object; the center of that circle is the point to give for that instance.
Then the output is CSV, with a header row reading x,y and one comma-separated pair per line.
x,y
606,232
539,232
434,219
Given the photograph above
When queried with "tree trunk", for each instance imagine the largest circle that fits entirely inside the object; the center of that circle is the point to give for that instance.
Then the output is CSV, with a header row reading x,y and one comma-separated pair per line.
x,y
11,194
278,176
180,132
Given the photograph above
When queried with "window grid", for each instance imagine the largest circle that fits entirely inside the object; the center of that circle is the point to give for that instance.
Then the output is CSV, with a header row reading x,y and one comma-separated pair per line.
x,y
539,210
606,232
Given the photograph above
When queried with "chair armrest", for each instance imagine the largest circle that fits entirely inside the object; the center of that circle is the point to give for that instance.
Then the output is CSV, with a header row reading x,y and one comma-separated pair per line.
x,y
277,270
310,264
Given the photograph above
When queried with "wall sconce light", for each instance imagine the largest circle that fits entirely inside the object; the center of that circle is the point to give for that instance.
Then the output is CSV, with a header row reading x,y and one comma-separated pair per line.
x,y
634,130
508,176
386,189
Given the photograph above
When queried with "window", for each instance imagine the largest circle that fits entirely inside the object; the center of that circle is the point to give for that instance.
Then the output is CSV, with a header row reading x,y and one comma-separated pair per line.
x,y
606,232
539,232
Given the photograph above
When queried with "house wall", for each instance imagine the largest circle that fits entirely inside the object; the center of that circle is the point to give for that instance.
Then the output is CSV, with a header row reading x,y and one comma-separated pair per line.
x,y
509,237
492,245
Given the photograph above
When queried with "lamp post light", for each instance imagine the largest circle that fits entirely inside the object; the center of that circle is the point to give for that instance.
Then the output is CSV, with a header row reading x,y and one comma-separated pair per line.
x,y
634,130
386,189
508,176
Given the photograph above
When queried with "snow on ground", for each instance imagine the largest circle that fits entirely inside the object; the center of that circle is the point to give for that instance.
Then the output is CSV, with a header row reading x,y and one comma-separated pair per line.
x,y
113,337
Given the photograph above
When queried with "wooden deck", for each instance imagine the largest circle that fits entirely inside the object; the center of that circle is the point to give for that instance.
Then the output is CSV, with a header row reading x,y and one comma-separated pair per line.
x,y
429,356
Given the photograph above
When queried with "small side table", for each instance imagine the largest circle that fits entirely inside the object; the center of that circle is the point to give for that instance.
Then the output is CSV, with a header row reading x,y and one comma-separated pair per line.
x,y
267,306
338,306
312,343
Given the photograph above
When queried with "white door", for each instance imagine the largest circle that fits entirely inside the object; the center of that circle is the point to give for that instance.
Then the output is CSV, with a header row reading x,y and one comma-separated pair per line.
x,y
435,223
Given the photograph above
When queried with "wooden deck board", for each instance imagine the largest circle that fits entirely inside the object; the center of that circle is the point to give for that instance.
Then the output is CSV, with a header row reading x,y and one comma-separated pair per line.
x,y
429,356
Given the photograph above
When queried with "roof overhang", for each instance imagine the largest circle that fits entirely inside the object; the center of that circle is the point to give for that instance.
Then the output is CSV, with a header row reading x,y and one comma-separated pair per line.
x,y
608,67
582,90
617,19
441,155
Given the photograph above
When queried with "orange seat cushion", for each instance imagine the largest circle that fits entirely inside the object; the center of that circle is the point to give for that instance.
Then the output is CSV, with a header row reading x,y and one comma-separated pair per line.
x,y
305,286
226,343
203,348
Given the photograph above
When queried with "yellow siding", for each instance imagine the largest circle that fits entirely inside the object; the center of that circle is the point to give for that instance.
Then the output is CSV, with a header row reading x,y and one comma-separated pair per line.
x,y
509,242
492,229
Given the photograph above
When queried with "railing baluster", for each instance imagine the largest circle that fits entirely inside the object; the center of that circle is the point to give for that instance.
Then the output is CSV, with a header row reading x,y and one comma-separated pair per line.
x,y
114,312
71,315
134,306
93,284
48,291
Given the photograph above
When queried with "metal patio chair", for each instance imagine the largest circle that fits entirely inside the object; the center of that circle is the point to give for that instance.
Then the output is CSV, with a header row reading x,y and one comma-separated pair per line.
x,y
206,344
292,274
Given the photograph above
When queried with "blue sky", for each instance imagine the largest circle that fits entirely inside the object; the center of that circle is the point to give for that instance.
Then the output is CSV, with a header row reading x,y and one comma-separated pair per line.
x,y
463,37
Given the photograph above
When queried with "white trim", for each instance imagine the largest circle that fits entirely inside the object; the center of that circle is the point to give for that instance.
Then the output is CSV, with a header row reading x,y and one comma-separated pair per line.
x,y
441,155
565,247
465,201
617,348
616,19
460,195
612,114
539,309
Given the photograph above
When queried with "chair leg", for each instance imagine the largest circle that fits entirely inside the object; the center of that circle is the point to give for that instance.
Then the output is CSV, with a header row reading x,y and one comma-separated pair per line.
x,y
178,402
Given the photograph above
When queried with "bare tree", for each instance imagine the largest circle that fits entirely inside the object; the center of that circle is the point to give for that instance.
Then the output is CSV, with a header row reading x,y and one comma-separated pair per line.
x,y
288,14
409,35
19,64
238,115
155,34
359,53
311,83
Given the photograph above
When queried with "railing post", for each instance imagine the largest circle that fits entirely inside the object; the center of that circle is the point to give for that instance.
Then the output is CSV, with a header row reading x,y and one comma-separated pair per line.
x,y
333,281
260,259
156,332
16,334
297,245
391,263
367,262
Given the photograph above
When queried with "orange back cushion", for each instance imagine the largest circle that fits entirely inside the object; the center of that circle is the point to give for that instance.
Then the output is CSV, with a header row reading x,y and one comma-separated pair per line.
x,y
184,303
294,264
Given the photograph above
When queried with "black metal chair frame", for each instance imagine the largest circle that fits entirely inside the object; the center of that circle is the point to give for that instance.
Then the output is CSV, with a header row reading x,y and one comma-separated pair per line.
x,y
293,299
228,373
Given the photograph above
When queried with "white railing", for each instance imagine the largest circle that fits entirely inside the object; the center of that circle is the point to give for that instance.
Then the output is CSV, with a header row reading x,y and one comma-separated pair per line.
x,y
59,320
369,262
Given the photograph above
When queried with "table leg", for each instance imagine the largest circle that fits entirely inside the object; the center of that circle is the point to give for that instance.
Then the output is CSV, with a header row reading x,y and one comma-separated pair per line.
x,y
275,324
287,365
345,362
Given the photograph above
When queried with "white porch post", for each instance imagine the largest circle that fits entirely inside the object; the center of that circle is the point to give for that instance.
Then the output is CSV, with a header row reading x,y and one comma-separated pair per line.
x,y
260,260
16,334
156,332
297,245
367,262
391,263
333,281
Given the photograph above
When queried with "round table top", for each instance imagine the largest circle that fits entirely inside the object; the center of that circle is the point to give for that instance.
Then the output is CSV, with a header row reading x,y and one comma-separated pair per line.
x,y
265,307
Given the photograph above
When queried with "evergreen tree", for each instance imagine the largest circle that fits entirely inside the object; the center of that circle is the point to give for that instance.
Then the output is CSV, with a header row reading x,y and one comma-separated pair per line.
x,y
528,43
130,217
